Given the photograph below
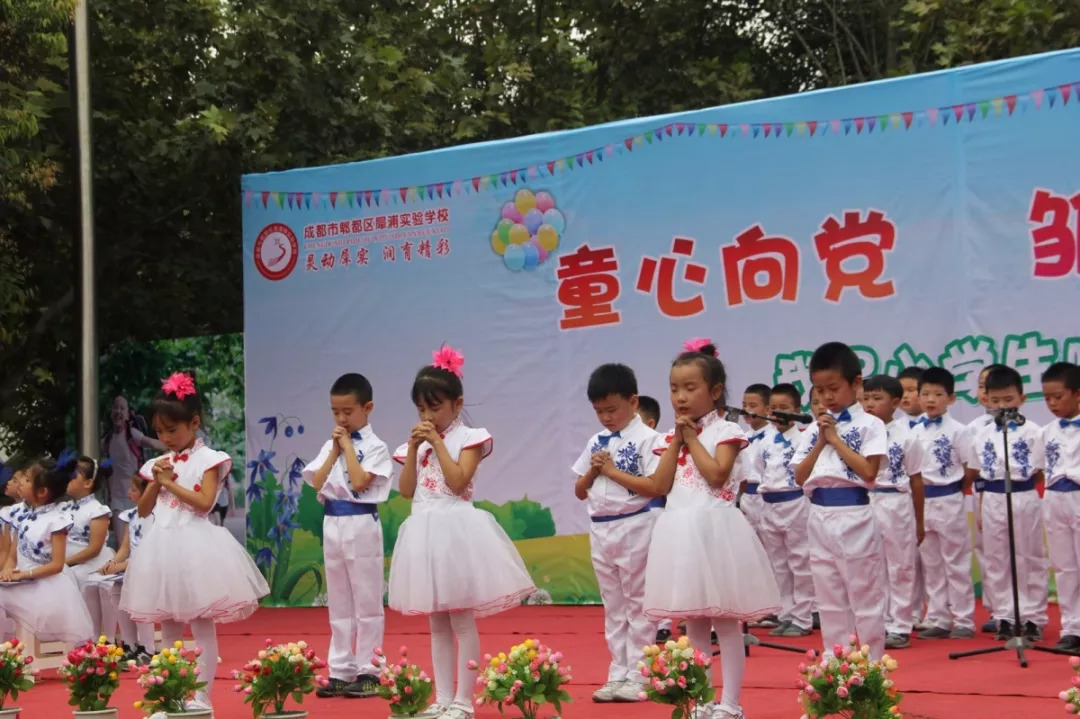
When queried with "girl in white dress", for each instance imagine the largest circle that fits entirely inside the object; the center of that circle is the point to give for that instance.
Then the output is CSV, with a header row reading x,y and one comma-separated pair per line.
x,y
452,561
188,571
37,589
86,550
15,489
706,564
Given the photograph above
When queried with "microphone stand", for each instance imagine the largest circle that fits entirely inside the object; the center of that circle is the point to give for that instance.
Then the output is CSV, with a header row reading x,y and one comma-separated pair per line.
x,y
1018,641
749,639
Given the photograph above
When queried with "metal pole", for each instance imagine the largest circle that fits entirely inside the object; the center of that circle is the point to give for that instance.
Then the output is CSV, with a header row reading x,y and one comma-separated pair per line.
x,y
88,349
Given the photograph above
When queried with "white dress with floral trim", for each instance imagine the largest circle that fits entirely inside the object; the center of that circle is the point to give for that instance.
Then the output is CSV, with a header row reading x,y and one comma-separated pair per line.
x,y
83,512
52,608
705,560
188,568
451,556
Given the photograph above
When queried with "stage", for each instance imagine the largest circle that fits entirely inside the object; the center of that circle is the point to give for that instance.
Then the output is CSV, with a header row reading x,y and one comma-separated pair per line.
x,y
934,687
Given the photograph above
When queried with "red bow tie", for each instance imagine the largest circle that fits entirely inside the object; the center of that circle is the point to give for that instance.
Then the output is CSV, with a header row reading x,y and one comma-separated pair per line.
x,y
181,457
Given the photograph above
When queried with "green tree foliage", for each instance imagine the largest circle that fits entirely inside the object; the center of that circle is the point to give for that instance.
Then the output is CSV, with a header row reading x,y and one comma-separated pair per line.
x,y
189,95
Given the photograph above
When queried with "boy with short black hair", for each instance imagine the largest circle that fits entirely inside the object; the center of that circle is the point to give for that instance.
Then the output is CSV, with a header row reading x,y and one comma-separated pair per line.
x,y
836,463
897,499
755,401
621,522
909,381
986,418
783,520
1061,504
351,476
649,410
946,547
986,458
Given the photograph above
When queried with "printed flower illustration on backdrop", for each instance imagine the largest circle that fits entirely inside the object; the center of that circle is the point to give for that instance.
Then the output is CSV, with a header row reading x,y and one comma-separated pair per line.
x,y
528,231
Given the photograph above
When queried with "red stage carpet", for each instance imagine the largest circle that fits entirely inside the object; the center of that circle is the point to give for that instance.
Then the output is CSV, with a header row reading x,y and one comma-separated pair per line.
x,y
935,688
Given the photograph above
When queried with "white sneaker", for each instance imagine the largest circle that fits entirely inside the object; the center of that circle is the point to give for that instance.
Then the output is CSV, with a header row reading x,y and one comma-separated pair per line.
x,y
432,712
606,693
629,691
703,711
457,711
726,713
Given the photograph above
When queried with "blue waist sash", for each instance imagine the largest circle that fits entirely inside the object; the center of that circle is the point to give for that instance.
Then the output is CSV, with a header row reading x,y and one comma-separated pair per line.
x,y
789,495
840,497
932,491
341,508
997,486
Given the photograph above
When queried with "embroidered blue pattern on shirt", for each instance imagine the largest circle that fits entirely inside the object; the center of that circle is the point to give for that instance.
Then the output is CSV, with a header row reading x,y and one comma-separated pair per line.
x,y
1021,454
988,459
943,454
896,462
853,439
1053,456
628,459
789,453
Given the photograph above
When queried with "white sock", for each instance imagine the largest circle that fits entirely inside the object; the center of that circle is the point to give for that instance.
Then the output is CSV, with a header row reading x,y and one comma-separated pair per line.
x,y
92,598
699,632
468,649
205,633
732,661
442,657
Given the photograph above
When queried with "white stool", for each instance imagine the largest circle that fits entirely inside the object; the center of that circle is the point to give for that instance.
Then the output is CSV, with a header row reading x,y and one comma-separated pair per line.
x,y
47,655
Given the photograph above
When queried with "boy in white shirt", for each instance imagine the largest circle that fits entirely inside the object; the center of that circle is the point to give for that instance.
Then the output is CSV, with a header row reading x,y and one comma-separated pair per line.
x,y
621,523
986,458
836,463
946,547
1061,504
989,626
783,528
897,499
351,475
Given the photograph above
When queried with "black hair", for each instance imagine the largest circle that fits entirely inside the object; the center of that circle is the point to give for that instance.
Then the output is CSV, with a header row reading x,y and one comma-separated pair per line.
x,y
884,383
913,372
990,368
174,409
355,384
139,481
836,356
93,470
54,481
434,384
1065,372
938,376
1004,378
712,369
649,407
36,468
609,379
762,390
788,390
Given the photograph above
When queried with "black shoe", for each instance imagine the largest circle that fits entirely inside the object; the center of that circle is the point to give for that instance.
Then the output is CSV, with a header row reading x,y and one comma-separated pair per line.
x,y
1005,630
662,635
333,688
142,656
1068,643
364,687
989,627
817,621
1033,632
714,639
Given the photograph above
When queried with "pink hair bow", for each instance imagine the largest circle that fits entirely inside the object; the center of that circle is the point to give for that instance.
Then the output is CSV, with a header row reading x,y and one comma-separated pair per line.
x,y
449,359
697,344
179,385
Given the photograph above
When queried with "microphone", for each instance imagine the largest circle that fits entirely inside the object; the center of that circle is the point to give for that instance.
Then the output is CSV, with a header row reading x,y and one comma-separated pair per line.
x,y
795,417
1004,415
733,414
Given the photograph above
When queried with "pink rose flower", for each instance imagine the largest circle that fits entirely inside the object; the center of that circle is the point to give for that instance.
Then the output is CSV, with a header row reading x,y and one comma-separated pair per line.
x,y
842,692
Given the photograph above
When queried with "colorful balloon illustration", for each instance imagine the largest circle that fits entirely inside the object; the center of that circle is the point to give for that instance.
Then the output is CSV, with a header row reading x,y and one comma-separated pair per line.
x,y
497,243
533,219
529,230
544,201
519,235
514,257
555,218
547,237
510,212
524,200
532,256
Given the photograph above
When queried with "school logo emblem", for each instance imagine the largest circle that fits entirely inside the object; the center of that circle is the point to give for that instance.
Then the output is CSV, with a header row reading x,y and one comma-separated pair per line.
x,y
276,252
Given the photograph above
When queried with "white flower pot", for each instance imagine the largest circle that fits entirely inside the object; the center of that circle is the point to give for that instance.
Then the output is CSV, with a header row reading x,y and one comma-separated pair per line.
x,y
10,713
191,714
294,714
99,714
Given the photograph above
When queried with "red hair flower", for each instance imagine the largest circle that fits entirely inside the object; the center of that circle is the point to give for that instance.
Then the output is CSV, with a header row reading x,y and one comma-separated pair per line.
x,y
449,359
179,385
697,344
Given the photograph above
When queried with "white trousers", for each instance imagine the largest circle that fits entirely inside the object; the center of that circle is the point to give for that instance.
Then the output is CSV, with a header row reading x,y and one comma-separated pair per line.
x,y
946,562
620,550
1032,571
980,559
353,558
752,506
1061,513
894,514
783,532
847,561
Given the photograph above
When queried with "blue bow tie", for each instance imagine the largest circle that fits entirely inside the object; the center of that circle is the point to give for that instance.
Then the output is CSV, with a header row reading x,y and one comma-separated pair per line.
x,y
912,423
355,435
927,422
779,439
603,439
1066,423
844,416
756,437
1012,426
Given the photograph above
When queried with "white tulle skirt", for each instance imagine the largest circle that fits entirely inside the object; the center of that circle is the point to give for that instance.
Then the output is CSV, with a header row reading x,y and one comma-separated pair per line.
x,y
83,571
51,608
456,558
708,562
193,571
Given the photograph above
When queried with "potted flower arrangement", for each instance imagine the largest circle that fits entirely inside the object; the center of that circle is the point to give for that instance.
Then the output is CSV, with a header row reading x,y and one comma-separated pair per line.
x,y
171,678
404,685
531,676
1071,696
92,673
277,673
15,675
676,675
846,683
